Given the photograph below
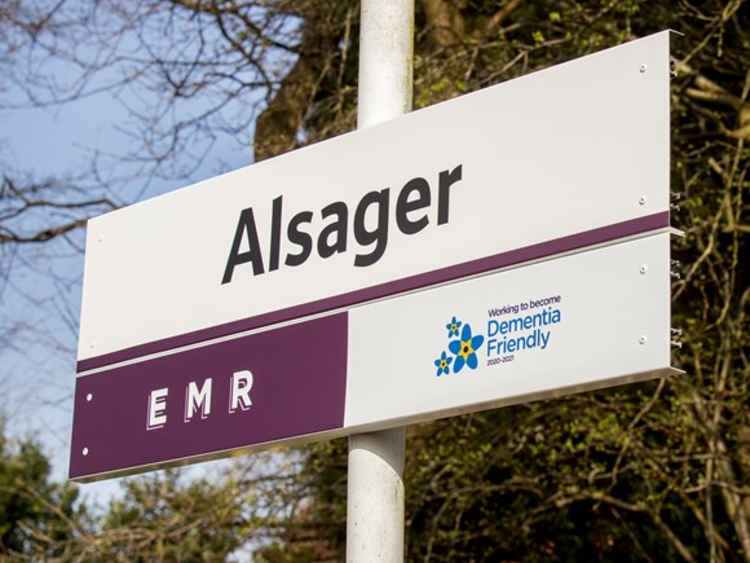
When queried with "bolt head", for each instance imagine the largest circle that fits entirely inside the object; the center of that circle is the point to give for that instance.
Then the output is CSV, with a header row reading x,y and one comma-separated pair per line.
x,y
89,396
642,200
644,269
642,340
85,451
643,68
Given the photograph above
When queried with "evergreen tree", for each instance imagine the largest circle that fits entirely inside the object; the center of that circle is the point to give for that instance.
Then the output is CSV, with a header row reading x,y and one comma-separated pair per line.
x,y
37,516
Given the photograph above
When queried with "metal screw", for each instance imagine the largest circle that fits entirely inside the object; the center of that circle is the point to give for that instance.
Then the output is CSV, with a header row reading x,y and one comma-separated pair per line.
x,y
644,269
642,339
643,68
89,397
642,200
85,451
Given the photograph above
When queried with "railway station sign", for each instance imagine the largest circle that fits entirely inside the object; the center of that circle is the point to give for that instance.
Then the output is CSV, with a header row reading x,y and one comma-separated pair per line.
x,y
506,245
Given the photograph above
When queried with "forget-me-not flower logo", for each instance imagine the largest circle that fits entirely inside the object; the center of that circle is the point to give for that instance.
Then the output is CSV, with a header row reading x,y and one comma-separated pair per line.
x,y
443,364
465,349
453,326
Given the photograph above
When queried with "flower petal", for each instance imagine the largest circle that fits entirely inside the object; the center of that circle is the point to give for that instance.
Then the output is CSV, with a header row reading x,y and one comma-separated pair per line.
x,y
459,364
472,361
454,346
437,362
466,332
476,342
448,360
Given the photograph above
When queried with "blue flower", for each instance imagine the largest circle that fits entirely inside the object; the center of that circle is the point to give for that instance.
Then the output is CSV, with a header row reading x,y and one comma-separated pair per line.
x,y
453,326
465,349
443,364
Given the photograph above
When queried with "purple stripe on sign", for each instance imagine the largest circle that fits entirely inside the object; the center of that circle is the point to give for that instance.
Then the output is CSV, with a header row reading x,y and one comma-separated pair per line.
x,y
296,386
501,260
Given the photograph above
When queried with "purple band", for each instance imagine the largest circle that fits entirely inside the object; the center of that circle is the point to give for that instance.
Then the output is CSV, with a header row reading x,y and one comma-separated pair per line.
x,y
298,388
501,260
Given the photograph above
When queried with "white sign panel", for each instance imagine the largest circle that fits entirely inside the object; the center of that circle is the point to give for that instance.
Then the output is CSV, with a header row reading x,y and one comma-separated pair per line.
x,y
533,332
557,160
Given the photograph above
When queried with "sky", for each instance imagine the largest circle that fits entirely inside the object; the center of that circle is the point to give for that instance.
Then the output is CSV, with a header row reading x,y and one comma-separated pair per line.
x,y
40,284
42,296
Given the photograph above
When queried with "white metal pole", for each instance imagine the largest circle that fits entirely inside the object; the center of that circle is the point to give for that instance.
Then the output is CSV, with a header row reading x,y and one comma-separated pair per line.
x,y
375,501
386,53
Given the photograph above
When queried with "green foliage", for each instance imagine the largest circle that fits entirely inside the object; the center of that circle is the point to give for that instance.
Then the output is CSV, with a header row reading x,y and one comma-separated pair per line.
x,y
162,519
34,510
